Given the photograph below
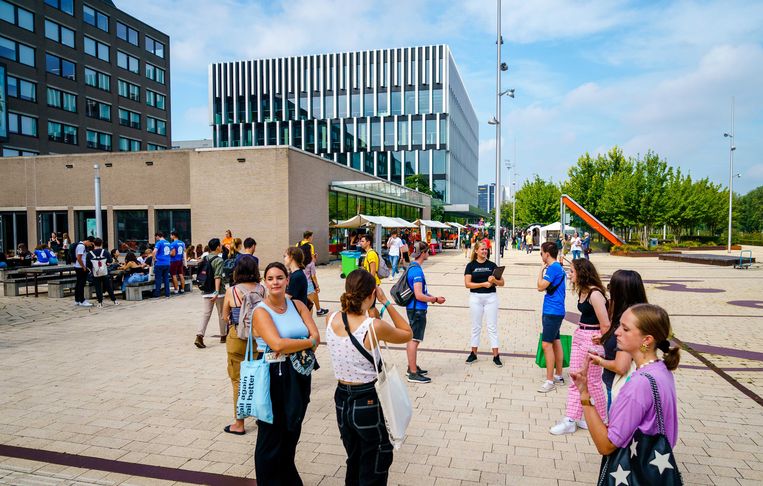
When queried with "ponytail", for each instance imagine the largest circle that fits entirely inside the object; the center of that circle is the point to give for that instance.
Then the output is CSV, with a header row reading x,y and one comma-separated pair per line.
x,y
672,357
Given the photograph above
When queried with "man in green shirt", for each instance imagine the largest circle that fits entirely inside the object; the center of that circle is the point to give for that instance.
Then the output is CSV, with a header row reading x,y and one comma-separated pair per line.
x,y
215,299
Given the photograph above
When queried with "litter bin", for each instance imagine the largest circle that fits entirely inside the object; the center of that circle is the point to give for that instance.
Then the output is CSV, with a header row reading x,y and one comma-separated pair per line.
x,y
652,242
349,261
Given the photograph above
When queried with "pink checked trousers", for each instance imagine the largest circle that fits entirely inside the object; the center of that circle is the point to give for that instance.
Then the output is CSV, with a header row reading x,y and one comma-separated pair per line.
x,y
581,343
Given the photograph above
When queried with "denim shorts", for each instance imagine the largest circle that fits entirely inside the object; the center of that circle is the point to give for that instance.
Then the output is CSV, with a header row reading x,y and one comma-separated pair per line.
x,y
417,318
551,326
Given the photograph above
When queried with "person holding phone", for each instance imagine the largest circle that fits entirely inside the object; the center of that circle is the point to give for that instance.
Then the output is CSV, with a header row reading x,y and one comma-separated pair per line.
x,y
481,277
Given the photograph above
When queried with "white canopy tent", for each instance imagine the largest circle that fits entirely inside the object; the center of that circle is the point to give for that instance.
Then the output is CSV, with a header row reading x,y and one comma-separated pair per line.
x,y
428,223
459,227
378,222
557,227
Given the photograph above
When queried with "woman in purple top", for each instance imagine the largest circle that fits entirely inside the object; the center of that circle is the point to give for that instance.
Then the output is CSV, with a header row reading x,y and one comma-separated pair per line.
x,y
644,328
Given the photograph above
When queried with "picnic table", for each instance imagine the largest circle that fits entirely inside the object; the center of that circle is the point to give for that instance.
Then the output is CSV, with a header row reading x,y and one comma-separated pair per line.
x,y
36,271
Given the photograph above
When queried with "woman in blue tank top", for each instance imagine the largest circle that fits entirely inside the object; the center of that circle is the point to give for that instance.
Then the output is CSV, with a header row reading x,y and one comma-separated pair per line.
x,y
282,327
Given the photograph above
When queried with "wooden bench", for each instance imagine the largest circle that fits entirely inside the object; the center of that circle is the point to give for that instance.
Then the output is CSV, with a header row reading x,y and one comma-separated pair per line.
x,y
57,288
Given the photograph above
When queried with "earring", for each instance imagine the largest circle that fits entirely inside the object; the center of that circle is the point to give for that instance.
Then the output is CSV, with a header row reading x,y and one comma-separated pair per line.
x,y
644,348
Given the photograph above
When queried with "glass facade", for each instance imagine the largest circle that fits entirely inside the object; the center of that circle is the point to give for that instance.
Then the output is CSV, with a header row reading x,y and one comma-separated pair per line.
x,y
85,225
13,230
344,206
391,113
131,229
179,220
51,222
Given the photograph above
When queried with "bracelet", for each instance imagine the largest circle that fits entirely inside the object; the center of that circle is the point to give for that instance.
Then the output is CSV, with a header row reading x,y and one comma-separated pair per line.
x,y
313,342
384,307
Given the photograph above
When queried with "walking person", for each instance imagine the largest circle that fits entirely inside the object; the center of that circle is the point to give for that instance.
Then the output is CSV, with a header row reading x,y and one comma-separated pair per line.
x,y
417,310
65,244
576,246
81,270
394,244
371,260
594,320
283,326
250,246
586,245
246,278
359,415
625,290
311,272
214,300
161,256
644,328
529,242
98,260
483,300
552,281
177,262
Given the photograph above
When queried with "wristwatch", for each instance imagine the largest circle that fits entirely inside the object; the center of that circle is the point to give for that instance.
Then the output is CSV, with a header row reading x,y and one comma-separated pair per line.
x,y
587,402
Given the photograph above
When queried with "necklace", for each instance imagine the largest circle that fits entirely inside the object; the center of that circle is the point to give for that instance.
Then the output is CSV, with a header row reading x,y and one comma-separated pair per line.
x,y
647,363
277,307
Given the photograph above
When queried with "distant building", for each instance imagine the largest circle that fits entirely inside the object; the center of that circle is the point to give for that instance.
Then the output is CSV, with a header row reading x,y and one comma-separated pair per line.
x,y
193,144
81,76
486,194
390,113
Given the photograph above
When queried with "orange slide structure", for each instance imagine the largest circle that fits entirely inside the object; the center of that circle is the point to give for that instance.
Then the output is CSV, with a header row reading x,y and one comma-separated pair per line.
x,y
590,219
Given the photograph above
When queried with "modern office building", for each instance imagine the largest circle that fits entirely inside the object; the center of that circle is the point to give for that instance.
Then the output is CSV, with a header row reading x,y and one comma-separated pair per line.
x,y
81,76
390,113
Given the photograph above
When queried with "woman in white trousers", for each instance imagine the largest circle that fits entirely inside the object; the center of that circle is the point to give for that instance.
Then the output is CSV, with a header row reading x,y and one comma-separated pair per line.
x,y
480,279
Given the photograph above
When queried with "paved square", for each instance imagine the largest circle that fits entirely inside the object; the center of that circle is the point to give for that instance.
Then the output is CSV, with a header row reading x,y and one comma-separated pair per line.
x,y
126,384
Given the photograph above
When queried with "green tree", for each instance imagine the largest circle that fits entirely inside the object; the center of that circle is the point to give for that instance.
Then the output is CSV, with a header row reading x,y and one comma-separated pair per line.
x,y
749,215
537,202
419,182
650,176
587,182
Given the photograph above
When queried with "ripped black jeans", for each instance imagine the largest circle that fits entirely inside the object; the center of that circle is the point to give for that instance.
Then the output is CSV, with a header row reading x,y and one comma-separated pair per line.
x,y
364,435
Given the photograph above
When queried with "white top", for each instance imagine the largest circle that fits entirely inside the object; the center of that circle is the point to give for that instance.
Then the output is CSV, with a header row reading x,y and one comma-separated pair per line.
x,y
394,246
577,244
81,250
349,364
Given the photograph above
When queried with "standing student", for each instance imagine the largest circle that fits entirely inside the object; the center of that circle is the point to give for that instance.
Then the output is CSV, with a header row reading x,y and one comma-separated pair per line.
x,y
552,281
81,271
96,257
214,301
250,246
371,261
576,246
529,241
594,320
358,413
297,288
483,300
585,244
394,244
161,256
284,326
177,262
65,244
226,243
417,310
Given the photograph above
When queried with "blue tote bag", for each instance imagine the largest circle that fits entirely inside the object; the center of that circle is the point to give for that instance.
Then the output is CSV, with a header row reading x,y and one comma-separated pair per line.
x,y
254,387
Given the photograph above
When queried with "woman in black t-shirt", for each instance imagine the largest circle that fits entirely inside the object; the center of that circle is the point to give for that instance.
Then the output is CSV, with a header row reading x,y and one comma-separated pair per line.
x,y
483,300
297,288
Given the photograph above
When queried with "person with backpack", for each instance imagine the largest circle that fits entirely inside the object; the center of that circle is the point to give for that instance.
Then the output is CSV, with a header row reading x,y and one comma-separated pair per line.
x,y
371,260
98,260
238,305
230,260
297,288
552,280
311,272
78,254
210,282
161,256
177,262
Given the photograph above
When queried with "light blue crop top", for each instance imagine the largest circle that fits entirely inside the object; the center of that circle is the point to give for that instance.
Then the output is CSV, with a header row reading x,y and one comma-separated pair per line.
x,y
288,324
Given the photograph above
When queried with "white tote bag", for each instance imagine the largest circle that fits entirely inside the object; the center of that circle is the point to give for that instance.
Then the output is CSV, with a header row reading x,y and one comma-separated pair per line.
x,y
393,398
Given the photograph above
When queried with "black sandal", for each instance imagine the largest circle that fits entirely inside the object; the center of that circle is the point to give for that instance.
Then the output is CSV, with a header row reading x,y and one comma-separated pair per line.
x,y
228,430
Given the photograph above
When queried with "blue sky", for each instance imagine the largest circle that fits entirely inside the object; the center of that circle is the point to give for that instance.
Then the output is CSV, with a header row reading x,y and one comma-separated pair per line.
x,y
588,74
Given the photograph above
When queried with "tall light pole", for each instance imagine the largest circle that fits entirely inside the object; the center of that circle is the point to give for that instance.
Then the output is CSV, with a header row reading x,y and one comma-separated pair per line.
x,y
498,67
512,192
97,182
732,148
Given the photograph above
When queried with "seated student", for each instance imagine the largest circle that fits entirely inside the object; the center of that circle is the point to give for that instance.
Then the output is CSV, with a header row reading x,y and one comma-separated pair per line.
x,y
41,257
24,255
52,257
133,270
3,260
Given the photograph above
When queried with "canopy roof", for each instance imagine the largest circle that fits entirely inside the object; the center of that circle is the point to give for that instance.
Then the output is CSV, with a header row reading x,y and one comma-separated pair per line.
x,y
457,225
364,220
432,224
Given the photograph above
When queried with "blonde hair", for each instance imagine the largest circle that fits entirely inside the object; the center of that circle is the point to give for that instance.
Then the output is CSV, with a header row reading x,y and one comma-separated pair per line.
x,y
477,245
653,320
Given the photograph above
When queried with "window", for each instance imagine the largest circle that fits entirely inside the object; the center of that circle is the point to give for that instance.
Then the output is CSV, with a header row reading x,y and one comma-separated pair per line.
x,y
60,67
66,6
155,73
59,33
22,89
128,145
155,99
126,61
95,17
153,146
97,109
155,47
16,15
63,100
431,131
22,124
154,125
175,220
127,33
97,79
97,49
129,118
62,133
98,140
16,51
129,90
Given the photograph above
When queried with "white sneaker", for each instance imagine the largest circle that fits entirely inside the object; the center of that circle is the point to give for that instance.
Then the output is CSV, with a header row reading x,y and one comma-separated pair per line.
x,y
582,424
559,381
566,426
85,303
546,387
99,305
116,302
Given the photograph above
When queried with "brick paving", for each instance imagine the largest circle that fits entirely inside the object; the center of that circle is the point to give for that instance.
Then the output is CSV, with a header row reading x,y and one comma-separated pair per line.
x,y
126,384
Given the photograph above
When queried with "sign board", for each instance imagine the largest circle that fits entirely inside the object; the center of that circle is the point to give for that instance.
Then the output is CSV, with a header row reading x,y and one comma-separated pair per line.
x,y
90,222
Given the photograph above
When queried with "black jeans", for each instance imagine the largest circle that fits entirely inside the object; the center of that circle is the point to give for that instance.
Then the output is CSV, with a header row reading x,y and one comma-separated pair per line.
x,y
79,287
100,283
277,442
364,435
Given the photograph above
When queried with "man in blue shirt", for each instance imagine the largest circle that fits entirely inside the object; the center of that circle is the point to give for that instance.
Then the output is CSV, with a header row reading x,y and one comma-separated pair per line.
x,y
177,262
161,256
417,310
552,281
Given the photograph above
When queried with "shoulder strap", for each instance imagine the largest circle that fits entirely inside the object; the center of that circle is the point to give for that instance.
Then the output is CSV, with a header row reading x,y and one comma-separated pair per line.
x,y
357,344
657,403
236,298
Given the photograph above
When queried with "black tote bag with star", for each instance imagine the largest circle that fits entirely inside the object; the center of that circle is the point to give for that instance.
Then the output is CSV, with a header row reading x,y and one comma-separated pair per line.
x,y
647,461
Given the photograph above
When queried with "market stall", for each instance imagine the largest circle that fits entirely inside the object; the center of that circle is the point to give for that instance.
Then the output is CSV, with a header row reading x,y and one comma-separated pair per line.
x,y
427,225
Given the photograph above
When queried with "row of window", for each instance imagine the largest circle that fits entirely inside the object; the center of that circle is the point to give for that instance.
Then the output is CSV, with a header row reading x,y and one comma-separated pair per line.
x,y
27,125
16,15
344,206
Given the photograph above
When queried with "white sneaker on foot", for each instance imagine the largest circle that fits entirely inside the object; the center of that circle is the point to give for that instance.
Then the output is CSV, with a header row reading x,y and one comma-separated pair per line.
x,y
85,303
546,387
566,426
559,380
582,424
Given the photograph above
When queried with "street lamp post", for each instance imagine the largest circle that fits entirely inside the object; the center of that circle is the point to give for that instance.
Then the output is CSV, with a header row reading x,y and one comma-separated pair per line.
x,y
97,183
498,67
512,192
732,148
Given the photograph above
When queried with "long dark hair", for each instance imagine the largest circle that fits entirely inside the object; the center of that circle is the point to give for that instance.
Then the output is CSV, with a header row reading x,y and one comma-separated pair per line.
x,y
586,277
625,289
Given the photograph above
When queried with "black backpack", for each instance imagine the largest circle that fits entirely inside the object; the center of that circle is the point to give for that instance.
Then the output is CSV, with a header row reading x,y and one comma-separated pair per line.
x,y
401,292
307,253
205,278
